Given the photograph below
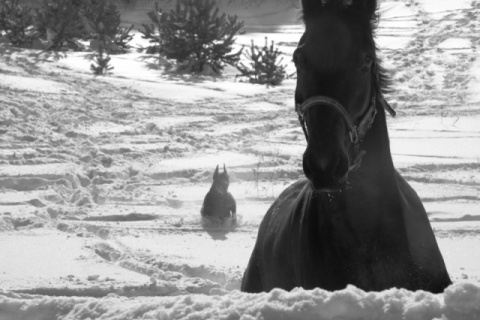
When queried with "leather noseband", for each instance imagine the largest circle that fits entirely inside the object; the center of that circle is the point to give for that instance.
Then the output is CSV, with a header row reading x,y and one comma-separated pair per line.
x,y
356,131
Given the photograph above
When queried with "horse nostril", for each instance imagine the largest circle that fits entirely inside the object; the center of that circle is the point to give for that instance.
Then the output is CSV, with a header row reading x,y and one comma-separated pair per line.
x,y
327,168
323,163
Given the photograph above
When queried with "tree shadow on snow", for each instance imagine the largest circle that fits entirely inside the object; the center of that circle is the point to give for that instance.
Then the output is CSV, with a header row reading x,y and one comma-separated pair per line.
x,y
31,56
49,55
169,72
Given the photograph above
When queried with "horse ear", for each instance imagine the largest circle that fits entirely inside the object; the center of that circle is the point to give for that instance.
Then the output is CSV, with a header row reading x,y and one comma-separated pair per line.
x,y
224,169
216,172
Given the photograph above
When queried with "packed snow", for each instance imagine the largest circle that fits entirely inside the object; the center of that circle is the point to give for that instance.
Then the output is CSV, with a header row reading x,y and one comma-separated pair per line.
x,y
102,178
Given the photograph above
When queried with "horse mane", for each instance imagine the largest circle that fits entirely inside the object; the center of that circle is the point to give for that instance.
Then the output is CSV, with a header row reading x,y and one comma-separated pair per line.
x,y
367,14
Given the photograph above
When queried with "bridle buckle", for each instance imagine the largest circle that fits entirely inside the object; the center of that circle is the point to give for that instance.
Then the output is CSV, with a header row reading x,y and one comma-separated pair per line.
x,y
353,135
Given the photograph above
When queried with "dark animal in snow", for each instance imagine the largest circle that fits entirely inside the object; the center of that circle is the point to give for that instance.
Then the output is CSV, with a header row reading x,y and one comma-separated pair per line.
x,y
219,204
354,220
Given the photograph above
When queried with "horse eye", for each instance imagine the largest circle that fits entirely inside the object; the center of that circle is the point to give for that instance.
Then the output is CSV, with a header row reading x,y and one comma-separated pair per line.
x,y
297,59
369,60
367,64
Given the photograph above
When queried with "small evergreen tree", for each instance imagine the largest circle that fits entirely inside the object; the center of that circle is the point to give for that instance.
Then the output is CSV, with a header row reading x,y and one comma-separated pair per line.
x,y
152,31
196,35
101,61
16,20
264,67
60,21
123,37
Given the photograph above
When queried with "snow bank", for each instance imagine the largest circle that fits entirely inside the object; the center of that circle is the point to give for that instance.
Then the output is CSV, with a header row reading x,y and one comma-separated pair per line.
x,y
460,301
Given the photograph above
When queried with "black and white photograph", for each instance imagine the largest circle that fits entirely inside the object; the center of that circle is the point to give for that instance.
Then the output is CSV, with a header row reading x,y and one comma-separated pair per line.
x,y
240,159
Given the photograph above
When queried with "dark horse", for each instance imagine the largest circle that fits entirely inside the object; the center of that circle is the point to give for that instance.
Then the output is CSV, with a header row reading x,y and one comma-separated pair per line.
x,y
219,204
355,220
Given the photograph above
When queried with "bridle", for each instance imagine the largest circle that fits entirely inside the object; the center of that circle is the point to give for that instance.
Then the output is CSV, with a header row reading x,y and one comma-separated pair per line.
x,y
357,131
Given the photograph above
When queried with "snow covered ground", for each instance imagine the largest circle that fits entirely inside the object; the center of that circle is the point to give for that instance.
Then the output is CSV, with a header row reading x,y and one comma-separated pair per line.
x,y
102,179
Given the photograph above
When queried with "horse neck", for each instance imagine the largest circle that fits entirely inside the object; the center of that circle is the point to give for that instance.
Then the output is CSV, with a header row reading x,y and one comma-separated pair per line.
x,y
377,164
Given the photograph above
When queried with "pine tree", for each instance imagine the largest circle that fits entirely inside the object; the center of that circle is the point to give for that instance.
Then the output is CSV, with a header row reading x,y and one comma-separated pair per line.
x,y
152,31
197,35
106,13
123,37
264,67
17,19
61,22
101,60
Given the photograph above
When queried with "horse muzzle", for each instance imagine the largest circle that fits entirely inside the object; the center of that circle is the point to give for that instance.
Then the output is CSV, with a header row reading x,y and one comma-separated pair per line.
x,y
326,172
327,163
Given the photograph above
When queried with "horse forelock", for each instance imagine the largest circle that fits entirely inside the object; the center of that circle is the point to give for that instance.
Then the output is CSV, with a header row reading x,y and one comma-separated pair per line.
x,y
365,12
344,3
361,8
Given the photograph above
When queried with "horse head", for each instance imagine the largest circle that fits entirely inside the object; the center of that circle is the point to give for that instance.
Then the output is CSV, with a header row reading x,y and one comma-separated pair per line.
x,y
221,180
337,87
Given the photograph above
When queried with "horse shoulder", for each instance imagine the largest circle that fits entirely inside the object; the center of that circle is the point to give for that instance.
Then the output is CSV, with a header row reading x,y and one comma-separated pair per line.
x,y
280,251
280,211
422,242
413,209
272,246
